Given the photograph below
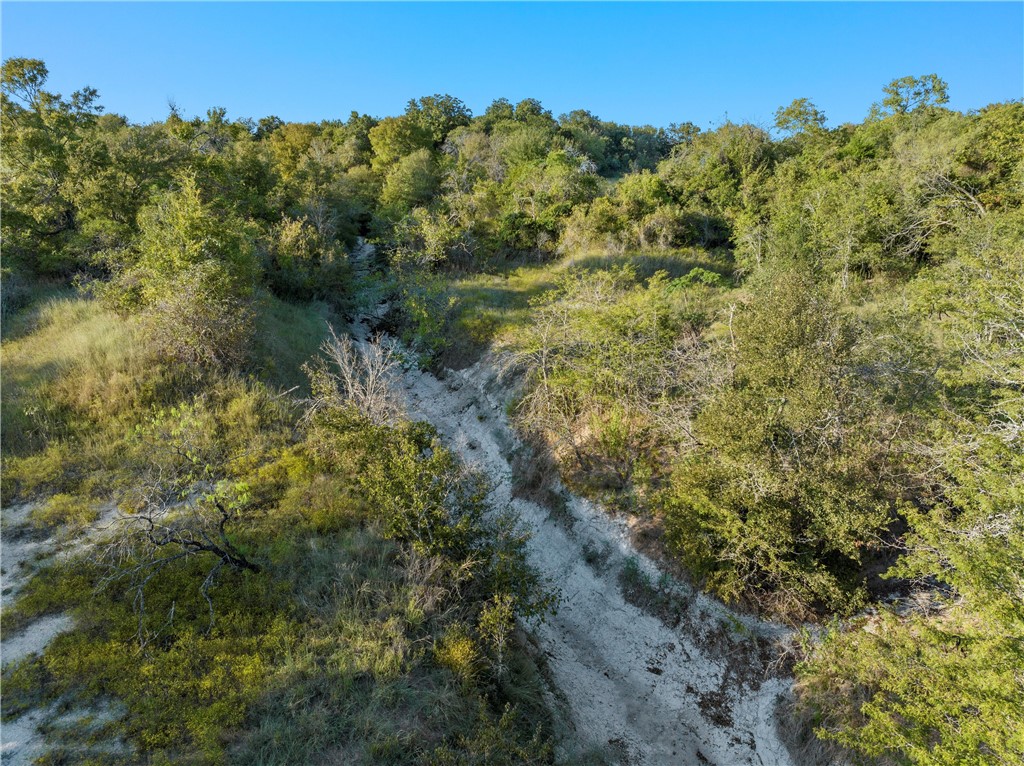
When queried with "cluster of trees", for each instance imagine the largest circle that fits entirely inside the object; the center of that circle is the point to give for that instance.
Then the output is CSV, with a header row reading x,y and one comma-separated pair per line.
x,y
800,351
851,407
76,179
287,578
941,683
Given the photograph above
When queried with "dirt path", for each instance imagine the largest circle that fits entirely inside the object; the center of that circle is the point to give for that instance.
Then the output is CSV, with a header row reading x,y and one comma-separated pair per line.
x,y
688,690
361,259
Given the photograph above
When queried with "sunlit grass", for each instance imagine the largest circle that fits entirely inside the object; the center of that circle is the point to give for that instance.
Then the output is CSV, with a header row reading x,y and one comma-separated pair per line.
x,y
488,306
68,353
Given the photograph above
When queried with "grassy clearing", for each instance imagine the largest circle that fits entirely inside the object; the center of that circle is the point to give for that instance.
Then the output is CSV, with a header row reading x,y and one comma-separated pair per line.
x,y
486,306
62,354
66,512
76,378
287,336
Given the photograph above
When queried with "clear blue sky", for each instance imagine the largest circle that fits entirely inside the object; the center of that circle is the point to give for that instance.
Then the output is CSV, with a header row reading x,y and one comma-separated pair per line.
x,y
635,63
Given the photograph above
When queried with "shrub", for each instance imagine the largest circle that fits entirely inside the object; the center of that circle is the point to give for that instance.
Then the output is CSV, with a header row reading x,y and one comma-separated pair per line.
x,y
599,356
457,651
193,325
786,491
303,264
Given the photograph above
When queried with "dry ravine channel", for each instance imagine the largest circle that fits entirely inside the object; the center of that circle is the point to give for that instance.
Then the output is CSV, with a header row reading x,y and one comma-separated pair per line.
x,y
681,681
643,669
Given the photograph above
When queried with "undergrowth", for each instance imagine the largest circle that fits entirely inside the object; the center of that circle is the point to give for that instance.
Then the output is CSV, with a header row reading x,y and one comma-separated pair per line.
x,y
354,641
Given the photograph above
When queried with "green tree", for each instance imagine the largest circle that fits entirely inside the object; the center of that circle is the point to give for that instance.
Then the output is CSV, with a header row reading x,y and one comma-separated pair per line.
x,y
267,125
183,230
113,174
193,276
530,110
355,148
906,94
500,110
396,137
722,176
937,681
785,491
439,115
412,181
42,133
801,116
993,153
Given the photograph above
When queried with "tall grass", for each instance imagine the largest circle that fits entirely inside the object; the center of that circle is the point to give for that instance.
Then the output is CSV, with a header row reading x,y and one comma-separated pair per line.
x,y
486,306
68,359
287,336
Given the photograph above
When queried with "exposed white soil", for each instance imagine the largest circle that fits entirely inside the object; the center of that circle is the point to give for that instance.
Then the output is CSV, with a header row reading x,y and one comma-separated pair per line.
x,y
23,742
645,690
20,740
22,553
686,687
19,551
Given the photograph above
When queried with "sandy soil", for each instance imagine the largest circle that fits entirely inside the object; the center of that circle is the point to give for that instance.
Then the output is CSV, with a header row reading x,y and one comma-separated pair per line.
x,y
20,742
22,552
644,689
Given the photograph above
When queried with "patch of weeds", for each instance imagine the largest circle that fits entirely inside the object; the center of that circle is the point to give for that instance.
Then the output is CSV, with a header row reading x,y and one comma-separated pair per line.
x,y
458,652
715,707
737,626
68,512
596,555
25,684
660,599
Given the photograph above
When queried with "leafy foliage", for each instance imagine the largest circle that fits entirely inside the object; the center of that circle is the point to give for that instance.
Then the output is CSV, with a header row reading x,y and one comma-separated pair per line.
x,y
799,357
940,684
256,588
786,487
600,354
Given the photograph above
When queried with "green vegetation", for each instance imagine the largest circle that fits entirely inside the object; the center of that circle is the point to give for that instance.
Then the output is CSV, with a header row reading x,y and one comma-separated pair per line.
x,y
321,603
65,511
282,586
799,355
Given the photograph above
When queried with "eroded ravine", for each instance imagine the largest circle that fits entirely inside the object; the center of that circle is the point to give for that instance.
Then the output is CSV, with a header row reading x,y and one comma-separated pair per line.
x,y
644,690
634,686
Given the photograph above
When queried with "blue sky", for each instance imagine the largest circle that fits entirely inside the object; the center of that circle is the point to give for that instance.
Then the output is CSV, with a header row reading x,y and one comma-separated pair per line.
x,y
630,62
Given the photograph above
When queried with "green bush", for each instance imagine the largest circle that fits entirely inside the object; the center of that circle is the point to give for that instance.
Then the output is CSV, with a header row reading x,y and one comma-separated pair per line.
x,y
785,493
370,627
